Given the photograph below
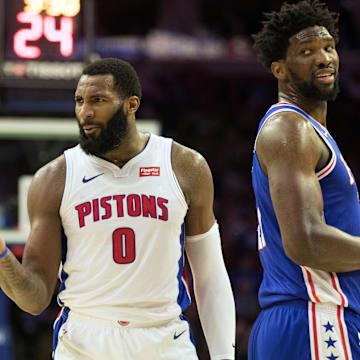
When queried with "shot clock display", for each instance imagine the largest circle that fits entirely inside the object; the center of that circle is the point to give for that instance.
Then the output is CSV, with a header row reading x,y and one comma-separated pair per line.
x,y
44,30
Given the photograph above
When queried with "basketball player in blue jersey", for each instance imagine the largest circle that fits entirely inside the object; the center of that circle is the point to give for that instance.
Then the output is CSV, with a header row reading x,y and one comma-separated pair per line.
x,y
117,212
306,198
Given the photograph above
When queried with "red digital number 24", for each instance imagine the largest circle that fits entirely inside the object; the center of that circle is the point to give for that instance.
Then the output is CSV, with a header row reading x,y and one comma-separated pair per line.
x,y
40,26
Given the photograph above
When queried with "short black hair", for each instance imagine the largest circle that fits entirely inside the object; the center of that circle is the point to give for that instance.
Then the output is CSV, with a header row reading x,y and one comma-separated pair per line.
x,y
272,41
126,80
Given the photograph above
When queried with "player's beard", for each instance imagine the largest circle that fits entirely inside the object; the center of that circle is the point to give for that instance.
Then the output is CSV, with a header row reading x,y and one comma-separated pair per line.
x,y
310,90
111,135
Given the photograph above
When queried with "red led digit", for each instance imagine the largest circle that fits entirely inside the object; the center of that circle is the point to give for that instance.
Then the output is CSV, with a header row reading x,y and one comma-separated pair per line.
x,y
43,26
22,36
64,35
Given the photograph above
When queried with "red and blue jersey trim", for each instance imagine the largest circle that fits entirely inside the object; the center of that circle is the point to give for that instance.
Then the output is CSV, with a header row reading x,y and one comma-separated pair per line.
x,y
183,298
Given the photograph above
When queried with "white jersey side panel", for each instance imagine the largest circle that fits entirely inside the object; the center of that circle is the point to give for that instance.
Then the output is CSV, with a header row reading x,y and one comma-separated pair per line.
x,y
123,237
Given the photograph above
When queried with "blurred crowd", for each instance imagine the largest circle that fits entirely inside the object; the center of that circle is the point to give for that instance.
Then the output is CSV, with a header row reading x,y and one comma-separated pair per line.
x,y
227,19
213,107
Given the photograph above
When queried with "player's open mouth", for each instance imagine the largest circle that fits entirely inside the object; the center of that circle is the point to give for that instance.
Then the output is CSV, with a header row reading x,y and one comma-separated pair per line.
x,y
325,76
90,129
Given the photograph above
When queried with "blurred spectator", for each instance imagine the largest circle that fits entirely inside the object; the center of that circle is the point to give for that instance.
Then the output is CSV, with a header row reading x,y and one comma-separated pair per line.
x,y
6,342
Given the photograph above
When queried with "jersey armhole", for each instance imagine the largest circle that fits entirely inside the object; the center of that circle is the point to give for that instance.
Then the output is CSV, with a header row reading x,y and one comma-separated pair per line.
x,y
326,170
172,177
67,180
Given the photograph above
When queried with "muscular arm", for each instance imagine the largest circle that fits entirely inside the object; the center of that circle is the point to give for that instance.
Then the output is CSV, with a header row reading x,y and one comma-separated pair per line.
x,y
31,284
289,150
212,287
195,179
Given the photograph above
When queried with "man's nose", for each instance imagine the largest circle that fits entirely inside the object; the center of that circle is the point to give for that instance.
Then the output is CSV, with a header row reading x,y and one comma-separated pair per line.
x,y
323,58
86,112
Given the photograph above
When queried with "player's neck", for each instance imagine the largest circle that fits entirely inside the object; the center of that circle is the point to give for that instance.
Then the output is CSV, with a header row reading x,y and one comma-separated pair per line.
x,y
132,145
315,108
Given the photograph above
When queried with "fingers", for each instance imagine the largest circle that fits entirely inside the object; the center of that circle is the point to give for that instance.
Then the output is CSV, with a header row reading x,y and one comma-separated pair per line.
x,y
2,244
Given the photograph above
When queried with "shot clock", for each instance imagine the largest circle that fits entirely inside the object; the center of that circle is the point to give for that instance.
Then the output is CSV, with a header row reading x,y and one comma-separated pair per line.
x,y
44,30
42,26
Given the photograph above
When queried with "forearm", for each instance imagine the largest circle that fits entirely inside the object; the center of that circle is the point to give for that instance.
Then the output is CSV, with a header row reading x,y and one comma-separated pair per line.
x,y
216,309
22,286
213,293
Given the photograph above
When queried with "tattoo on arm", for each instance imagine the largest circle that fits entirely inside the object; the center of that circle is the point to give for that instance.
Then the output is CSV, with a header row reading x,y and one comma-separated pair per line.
x,y
20,284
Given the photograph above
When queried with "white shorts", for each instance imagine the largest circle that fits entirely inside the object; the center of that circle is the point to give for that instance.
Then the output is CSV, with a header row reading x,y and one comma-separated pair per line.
x,y
78,337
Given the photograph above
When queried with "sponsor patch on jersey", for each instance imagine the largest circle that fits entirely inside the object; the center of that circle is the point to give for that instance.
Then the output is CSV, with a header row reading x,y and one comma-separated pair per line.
x,y
150,171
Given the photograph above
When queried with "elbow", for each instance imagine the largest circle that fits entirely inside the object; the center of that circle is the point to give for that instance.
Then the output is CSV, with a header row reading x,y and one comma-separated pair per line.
x,y
33,310
36,310
35,307
296,255
299,249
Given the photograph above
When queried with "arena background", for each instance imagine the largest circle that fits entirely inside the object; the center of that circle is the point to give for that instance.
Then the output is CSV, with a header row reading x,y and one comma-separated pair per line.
x,y
202,83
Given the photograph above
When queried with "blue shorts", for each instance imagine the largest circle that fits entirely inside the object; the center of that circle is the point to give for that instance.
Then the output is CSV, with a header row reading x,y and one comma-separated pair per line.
x,y
301,330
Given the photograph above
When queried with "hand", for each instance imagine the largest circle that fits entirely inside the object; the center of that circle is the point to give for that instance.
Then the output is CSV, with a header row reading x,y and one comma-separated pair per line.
x,y
2,245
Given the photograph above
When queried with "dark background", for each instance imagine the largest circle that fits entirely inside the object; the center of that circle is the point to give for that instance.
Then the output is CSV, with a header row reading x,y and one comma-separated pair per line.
x,y
201,79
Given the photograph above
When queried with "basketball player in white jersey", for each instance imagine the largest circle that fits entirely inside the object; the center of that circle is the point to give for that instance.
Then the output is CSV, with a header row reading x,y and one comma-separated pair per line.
x,y
117,212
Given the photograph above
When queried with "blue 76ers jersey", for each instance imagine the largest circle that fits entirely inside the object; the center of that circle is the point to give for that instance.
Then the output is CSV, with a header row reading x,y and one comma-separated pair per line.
x,y
283,280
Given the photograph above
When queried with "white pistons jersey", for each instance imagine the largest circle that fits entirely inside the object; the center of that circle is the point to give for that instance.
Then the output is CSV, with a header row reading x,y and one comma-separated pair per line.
x,y
123,237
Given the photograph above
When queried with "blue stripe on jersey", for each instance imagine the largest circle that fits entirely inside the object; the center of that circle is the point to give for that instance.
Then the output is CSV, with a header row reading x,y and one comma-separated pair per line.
x,y
183,298
191,336
283,280
59,322
64,275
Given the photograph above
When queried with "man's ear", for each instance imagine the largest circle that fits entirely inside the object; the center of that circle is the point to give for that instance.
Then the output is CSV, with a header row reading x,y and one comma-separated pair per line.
x,y
131,104
278,68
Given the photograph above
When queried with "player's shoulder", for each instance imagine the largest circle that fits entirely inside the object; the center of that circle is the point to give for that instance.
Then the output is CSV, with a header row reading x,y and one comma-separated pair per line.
x,y
286,123
288,137
47,187
191,170
55,168
51,177
286,128
186,158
